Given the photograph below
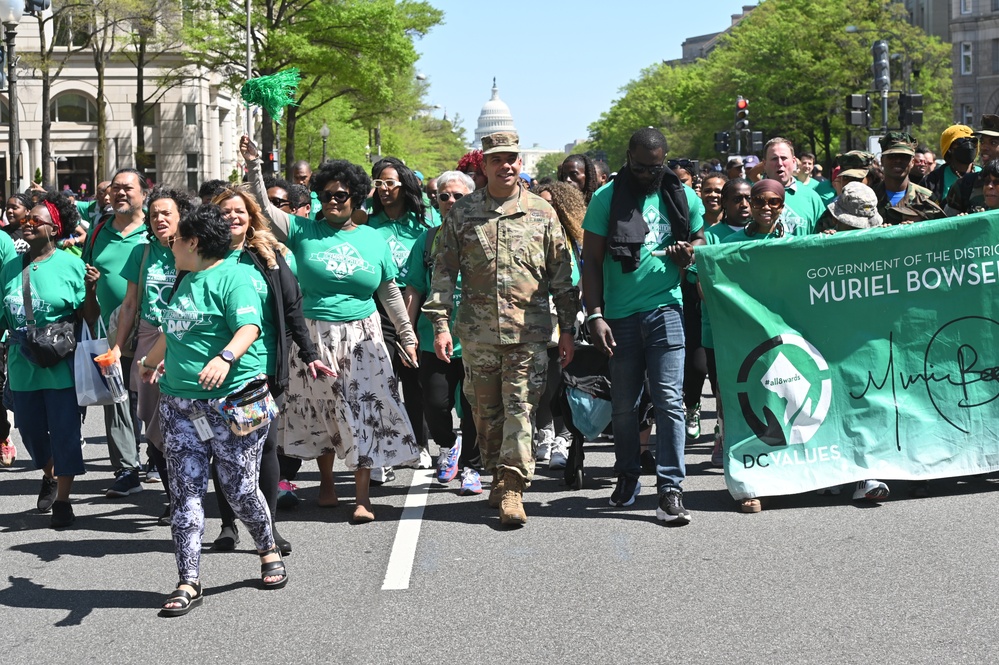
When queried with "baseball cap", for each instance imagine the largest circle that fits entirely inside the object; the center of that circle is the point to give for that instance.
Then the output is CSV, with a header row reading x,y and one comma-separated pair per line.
x,y
500,142
897,143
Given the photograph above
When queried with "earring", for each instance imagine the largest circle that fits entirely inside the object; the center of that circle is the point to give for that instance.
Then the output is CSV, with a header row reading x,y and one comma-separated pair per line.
x,y
249,233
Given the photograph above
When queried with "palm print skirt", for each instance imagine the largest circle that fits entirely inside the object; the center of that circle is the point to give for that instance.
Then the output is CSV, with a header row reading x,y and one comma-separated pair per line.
x,y
359,414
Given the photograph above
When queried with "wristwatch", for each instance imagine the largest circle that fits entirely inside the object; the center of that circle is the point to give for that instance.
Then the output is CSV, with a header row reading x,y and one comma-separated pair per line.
x,y
227,356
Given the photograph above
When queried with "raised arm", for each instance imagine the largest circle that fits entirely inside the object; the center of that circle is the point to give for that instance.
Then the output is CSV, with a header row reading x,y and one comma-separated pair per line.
x,y
280,220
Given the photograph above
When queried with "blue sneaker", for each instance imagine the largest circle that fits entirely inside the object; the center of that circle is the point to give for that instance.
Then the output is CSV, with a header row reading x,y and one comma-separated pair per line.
x,y
447,463
470,483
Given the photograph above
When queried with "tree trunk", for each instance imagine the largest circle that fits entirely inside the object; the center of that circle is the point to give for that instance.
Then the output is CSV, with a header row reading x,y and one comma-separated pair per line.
x,y
827,144
290,120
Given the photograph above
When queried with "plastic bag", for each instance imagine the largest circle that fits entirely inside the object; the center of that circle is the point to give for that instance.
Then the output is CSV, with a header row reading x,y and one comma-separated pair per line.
x,y
590,414
91,389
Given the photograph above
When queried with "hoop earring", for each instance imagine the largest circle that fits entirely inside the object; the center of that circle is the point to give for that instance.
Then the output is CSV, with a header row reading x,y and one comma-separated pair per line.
x,y
249,233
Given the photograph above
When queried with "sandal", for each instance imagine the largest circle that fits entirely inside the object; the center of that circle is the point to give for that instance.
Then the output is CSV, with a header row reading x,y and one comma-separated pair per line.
x,y
750,506
8,453
186,600
273,569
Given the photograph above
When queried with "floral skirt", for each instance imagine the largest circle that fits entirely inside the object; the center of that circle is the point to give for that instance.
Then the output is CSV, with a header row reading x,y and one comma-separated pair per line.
x,y
359,414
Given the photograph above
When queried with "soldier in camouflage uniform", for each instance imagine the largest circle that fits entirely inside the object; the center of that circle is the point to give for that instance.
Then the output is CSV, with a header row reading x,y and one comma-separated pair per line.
x,y
966,195
511,252
897,151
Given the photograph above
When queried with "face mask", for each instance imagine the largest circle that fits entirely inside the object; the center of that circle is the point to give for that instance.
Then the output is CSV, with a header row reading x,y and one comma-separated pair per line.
x,y
964,151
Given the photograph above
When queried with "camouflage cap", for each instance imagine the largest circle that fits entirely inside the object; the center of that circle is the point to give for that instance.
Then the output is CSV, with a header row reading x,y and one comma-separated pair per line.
x,y
854,164
898,143
990,125
856,207
500,142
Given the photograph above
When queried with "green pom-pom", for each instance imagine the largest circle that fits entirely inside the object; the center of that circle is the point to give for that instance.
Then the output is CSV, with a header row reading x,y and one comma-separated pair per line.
x,y
273,92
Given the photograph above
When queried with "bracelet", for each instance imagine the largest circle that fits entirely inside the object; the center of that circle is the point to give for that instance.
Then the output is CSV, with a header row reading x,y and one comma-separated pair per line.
x,y
142,363
594,316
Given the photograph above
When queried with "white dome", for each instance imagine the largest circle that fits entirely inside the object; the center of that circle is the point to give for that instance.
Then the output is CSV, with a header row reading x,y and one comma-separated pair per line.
x,y
495,117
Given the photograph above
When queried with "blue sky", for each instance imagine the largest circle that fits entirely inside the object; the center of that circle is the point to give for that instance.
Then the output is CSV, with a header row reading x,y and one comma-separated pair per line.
x,y
558,64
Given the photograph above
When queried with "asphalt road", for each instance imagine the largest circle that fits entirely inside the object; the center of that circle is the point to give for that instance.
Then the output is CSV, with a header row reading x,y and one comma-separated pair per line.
x,y
809,580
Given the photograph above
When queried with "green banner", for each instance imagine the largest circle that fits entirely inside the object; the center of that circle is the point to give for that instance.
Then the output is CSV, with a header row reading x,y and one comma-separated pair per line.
x,y
865,354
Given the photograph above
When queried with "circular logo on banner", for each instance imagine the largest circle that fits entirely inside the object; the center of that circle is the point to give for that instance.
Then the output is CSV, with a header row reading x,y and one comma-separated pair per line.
x,y
795,374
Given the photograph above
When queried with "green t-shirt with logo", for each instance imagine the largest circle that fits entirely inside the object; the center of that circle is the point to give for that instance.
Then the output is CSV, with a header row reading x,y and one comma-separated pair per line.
x,y
419,277
108,253
339,271
266,342
57,291
656,281
160,274
201,319
802,207
401,235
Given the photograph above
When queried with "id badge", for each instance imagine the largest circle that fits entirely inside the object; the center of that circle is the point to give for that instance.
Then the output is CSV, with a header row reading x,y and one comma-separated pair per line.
x,y
202,427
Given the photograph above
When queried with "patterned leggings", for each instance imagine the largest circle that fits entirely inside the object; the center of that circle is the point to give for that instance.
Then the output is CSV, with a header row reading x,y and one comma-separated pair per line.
x,y
188,461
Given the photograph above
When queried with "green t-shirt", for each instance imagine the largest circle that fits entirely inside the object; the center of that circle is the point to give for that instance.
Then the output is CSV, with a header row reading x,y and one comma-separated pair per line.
x,y
802,207
339,271
656,282
7,249
825,191
109,252
204,314
266,342
401,235
316,205
160,275
713,235
419,277
57,291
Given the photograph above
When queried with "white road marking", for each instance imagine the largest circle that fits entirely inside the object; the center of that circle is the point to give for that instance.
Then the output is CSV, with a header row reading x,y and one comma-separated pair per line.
x,y
400,565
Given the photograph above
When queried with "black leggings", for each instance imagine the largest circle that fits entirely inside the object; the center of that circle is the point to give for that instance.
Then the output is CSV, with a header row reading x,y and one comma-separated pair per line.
x,y
412,395
440,381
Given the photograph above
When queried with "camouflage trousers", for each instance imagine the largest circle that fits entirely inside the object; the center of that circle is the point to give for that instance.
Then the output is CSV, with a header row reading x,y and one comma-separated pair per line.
x,y
504,383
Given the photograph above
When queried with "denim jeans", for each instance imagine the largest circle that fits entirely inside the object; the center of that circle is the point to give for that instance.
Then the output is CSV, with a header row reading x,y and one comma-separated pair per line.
x,y
649,342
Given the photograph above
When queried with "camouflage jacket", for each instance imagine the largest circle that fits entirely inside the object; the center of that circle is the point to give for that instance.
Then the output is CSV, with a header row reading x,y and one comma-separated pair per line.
x,y
966,195
511,256
915,204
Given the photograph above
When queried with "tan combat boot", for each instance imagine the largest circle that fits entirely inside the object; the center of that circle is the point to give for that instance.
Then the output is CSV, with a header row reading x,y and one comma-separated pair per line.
x,y
512,505
497,490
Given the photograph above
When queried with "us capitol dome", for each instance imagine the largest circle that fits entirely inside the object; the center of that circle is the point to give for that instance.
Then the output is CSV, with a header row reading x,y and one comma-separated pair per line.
x,y
496,117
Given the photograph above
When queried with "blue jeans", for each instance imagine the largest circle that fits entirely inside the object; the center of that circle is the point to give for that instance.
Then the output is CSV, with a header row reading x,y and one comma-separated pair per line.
x,y
649,342
49,423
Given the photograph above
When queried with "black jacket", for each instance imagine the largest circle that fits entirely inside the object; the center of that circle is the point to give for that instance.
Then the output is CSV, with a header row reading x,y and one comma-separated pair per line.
x,y
288,317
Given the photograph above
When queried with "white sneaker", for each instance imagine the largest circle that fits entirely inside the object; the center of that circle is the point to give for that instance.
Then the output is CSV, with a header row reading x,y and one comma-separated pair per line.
x,y
546,438
872,490
426,461
560,454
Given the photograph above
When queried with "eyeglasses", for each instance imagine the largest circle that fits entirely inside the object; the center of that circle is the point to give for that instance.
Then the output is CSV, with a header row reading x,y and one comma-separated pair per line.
x,y
447,196
385,184
639,169
772,202
340,196
280,203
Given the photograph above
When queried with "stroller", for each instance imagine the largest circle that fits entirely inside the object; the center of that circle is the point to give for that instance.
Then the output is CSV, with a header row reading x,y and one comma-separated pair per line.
x,y
584,399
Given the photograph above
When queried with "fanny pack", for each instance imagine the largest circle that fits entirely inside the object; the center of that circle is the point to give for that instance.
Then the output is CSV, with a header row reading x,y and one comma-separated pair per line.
x,y
45,346
248,408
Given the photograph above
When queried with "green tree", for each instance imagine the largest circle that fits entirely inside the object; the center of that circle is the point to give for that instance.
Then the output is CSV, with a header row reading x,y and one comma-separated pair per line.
x,y
547,166
795,63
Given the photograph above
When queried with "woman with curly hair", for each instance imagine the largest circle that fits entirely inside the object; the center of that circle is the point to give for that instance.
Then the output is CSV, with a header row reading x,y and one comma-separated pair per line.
x,y
341,268
45,409
399,214
471,165
254,247
19,206
580,172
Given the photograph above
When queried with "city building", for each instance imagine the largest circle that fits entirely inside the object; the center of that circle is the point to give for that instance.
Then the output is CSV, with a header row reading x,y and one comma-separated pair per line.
x,y
496,117
694,48
193,121
974,35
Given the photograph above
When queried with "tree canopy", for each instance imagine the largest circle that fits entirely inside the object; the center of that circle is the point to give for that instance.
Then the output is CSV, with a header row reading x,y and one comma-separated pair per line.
x,y
795,62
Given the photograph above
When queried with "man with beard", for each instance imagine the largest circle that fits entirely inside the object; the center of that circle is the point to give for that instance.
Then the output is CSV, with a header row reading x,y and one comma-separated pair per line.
x,y
634,304
107,249
898,199
967,195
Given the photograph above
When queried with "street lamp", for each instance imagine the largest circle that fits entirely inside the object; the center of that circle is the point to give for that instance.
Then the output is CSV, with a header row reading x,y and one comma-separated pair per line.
x,y
11,12
324,133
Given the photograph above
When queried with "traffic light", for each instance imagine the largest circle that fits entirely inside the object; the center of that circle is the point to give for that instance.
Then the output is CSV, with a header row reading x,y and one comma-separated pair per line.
x,y
36,7
721,142
741,113
756,142
881,67
857,110
910,109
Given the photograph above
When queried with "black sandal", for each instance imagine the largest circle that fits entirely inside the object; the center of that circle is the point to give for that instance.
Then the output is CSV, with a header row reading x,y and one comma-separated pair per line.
x,y
186,600
273,569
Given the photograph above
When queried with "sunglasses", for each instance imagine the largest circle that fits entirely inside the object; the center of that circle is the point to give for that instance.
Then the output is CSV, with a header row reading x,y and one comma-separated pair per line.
x,y
35,223
639,169
447,196
385,184
739,198
280,203
339,197
772,202
682,163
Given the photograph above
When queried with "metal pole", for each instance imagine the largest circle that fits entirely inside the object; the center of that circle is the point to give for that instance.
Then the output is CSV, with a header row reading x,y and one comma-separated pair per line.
x,y
884,112
249,67
10,32
324,150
